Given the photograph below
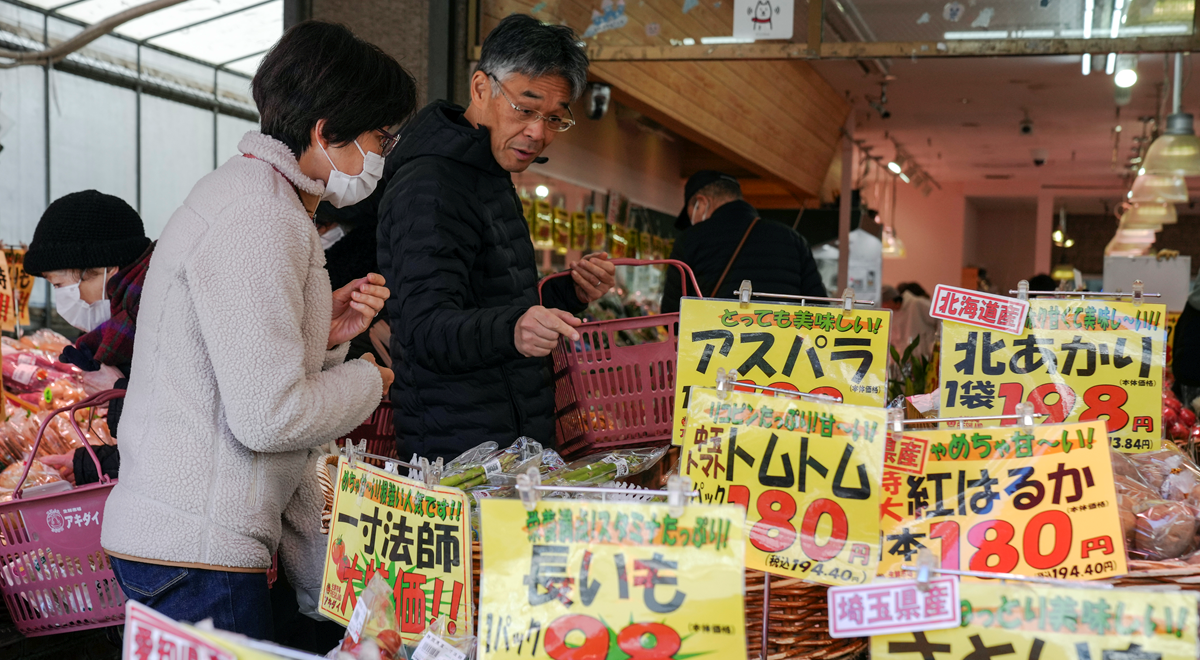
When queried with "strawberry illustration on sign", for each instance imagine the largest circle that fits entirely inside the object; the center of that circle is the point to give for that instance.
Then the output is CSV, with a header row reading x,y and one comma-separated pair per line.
x,y
763,19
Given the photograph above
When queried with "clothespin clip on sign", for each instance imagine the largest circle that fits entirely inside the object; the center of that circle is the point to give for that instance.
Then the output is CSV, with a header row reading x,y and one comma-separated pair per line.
x,y
725,382
432,472
848,300
896,419
678,490
1025,410
1023,290
527,488
926,562
743,293
1138,290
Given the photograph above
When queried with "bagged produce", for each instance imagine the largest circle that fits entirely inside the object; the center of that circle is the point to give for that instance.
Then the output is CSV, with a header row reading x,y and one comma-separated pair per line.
x,y
39,474
498,468
373,632
605,467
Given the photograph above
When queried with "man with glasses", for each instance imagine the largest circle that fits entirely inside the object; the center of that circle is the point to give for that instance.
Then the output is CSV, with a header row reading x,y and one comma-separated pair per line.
x,y
470,337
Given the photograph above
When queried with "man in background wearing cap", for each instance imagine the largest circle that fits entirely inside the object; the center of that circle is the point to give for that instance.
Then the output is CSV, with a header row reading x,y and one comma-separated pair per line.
x,y
726,242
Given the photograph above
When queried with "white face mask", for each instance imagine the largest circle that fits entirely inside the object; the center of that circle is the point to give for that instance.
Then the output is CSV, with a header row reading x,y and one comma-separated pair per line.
x,y
332,236
78,313
344,190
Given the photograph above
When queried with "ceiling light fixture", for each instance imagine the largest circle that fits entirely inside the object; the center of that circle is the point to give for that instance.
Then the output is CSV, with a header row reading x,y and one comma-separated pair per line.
x,y
896,169
1177,150
1126,70
542,191
1151,188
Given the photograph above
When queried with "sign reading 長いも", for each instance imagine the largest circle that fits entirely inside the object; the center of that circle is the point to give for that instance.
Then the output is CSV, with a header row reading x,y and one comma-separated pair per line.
x,y
1074,361
984,310
585,579
414,536
808,474
822,350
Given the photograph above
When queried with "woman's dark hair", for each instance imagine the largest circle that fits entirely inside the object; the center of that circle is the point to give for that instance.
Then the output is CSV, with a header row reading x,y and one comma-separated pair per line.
x,y
320,70
912,287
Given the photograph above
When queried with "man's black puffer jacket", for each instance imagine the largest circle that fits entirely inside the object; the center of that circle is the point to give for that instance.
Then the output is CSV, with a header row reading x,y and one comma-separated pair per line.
x,y
775,258
457,256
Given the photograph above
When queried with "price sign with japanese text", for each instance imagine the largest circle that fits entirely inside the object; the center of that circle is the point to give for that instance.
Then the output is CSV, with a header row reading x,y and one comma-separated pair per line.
x,y
1075,361
579,579
792,347
1172,321
8,305
153,636
1014,621
22,282
1003,501
417,537
807,473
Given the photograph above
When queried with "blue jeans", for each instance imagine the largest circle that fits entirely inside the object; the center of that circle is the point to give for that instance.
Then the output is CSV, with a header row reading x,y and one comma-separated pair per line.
x,y
237,602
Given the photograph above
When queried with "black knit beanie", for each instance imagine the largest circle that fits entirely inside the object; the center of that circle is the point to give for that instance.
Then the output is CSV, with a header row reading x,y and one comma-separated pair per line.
x,y
86,230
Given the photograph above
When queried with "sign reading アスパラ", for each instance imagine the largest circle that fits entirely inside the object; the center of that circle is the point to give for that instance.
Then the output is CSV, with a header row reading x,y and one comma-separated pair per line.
x,y
1003,501
804,349
1011,621
577,579
417,537
1075,361
807,473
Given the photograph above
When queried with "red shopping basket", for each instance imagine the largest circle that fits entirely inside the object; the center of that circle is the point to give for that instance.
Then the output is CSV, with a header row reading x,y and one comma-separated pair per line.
x,y
379,431
54,575
607,395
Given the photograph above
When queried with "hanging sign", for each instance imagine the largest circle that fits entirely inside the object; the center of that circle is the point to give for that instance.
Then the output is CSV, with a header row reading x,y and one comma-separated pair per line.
x,y
1011,621
8,302
416,537
822,350
585,579
982,310
1003,501
763,19
21,282
1075,361
891,606
807,474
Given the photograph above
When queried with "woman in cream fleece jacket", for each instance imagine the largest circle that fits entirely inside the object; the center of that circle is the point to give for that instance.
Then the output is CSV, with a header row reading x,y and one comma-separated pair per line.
x,y
240,347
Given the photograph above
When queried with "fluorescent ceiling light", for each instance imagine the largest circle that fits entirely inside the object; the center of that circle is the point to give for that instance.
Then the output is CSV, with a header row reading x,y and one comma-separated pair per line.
x,y
904,177
724,40
999,34
1126,70
894,167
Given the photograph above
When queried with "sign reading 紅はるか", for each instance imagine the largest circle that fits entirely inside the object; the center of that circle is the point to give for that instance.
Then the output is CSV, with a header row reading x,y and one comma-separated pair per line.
x,y
416,537
576,579
822,350
1074,361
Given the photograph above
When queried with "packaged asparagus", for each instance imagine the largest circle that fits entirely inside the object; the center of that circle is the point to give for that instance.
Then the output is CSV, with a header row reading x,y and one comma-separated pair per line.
x,y
600,468
499,468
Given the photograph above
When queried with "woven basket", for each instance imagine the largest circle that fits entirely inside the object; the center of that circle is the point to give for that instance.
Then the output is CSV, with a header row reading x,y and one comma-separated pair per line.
x,y
798,627
1155,573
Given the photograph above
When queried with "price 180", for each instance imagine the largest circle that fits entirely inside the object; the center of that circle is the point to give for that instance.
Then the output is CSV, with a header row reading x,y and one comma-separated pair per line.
x,y
996,553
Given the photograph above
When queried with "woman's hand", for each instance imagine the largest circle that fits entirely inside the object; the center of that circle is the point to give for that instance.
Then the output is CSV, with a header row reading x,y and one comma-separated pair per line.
x,y
384,372
64,463
99,381
354,306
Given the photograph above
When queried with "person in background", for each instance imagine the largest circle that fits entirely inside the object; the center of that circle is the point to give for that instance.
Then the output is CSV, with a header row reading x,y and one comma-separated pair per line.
x,y
1185,360
911,319
726,242
1042,282
348,236
889,298
93,250
469,334
240,355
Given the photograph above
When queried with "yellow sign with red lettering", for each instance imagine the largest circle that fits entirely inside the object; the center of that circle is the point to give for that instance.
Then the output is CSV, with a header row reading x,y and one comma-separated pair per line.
x,y
1011,620
22,282
1003,501
583,579
416,537
1075,361
823,350
808,474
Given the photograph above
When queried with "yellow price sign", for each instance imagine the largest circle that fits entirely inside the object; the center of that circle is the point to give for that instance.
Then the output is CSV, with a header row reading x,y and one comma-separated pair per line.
x,y
1075,361
416,537
1172,322
22,282
1011,621
579,579
1003,501
823,350
807,474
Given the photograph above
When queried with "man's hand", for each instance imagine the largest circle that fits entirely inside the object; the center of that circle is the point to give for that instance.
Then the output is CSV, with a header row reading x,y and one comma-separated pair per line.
x,y
594,275
354,306
384,372
538,329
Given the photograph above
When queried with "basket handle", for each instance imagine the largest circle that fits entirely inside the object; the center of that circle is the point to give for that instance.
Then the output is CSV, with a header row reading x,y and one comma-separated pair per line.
x,y
95,400
623,261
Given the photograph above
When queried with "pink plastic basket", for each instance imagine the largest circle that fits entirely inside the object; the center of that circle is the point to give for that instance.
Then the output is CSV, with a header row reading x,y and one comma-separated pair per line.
x,y
54,575
606,395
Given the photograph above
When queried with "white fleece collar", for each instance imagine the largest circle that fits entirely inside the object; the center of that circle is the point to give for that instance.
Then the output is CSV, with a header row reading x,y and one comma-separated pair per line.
x,y
270,150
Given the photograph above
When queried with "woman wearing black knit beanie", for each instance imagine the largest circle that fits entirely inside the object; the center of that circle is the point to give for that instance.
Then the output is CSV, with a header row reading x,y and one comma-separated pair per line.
x,y
93,250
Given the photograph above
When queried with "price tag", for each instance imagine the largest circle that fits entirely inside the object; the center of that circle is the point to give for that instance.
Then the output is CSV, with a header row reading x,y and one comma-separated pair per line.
x,y
1074,361
1003,501
807,473
357,620
822,350
584,579
492,467
892,606
433,647
153,636
415,536
1015,621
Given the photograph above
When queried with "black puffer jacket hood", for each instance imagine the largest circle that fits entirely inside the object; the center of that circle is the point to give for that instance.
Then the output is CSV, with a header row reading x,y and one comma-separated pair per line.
x,y
457,255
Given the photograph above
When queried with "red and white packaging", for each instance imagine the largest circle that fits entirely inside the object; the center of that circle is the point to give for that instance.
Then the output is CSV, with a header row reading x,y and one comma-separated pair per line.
x,y
152,636
885,607
984,310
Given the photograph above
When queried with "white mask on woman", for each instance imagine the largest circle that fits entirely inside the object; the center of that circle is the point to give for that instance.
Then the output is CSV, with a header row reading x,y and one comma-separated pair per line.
x,y
78,313
344,190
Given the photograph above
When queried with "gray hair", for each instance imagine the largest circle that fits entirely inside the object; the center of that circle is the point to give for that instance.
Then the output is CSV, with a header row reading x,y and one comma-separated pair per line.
x,y
522,44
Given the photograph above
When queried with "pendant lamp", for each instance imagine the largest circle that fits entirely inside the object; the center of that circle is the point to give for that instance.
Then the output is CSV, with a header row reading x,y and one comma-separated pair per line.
x,y
1149,216
1151,188
1063,272
1177,150
893,247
